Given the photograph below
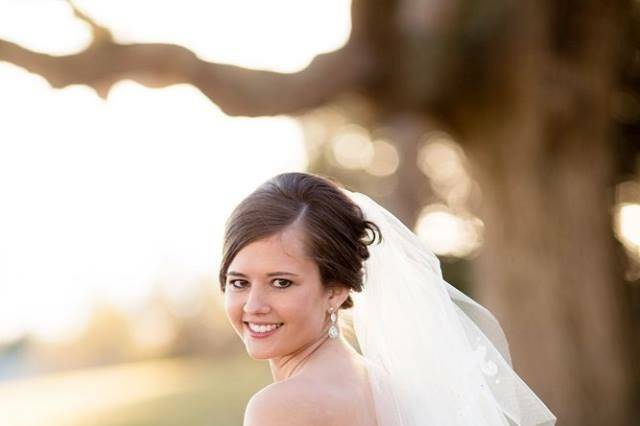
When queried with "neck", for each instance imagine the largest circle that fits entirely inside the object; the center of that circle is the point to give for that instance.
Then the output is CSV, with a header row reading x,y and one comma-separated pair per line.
x,y
317,352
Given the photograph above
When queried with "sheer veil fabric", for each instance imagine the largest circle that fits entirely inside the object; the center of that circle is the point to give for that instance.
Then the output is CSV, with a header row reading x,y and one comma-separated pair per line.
x,y
435,356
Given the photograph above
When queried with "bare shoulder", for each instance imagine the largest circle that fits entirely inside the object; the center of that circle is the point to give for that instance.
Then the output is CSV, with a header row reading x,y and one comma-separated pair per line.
x,y
289,403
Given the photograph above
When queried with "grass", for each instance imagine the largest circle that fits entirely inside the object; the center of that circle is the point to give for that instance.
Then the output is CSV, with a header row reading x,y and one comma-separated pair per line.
x,y
180,392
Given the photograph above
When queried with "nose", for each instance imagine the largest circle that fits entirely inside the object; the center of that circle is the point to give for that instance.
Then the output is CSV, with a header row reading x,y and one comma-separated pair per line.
x,y
256,302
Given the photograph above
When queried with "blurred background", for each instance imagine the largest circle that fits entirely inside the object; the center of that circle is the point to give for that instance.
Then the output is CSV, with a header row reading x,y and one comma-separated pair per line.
x,y
505,133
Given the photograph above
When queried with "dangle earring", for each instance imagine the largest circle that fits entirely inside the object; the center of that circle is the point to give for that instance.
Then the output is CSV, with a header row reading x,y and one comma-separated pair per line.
x,y
333,330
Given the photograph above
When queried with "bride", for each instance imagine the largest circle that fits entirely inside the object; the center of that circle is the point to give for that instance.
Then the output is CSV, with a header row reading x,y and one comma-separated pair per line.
x,y
299,250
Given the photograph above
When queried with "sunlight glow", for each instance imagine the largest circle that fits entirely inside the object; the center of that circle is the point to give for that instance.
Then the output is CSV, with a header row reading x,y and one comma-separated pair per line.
x,y
280,36
627,224
46,26
446,233
153,331
444,162
440,158
385,159
103,200
352,148
62,398
112,200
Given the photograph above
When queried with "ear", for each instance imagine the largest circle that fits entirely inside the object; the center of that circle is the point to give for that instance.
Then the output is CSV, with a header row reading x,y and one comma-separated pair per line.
x,y
337,294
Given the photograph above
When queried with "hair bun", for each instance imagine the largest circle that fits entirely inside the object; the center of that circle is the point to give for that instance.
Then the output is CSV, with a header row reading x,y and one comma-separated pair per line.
x,y
363,251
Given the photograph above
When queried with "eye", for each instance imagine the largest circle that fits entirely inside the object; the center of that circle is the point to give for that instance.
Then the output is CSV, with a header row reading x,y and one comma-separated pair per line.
x,y
286,282
235,285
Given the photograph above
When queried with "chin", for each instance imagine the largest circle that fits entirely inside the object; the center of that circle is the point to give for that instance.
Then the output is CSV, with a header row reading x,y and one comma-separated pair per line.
x,y
259,358
260,355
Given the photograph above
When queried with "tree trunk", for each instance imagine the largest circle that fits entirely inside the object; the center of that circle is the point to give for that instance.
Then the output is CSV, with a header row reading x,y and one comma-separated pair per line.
x,y
548,271
544,160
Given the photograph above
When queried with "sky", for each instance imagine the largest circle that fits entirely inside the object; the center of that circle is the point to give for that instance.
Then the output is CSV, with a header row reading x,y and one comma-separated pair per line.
x,y
103,198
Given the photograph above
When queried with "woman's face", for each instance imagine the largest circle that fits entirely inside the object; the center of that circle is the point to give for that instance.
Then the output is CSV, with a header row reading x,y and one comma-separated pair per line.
x,y
273,281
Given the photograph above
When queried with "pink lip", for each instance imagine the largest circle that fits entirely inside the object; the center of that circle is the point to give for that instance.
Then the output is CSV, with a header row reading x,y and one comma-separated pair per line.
x,y
260,335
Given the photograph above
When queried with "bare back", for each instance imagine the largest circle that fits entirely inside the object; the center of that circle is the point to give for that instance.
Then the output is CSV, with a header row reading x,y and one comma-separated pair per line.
x,y
351,398
340,396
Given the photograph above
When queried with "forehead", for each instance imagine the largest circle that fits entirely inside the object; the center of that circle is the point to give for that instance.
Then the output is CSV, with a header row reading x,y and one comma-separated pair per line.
x,y
282,250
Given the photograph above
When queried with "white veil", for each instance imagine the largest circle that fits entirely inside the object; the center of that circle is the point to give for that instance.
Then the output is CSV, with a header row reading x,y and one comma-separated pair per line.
x,y
445,356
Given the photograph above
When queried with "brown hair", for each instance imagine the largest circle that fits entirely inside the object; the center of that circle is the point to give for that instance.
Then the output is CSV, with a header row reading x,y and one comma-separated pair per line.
x,y
336,234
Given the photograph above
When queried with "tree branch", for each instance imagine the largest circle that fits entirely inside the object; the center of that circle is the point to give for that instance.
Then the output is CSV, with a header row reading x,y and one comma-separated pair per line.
x,y
100,33
236,90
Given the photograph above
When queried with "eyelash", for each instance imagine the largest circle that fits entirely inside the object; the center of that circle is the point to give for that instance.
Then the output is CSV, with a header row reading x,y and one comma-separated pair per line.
x,y
289,283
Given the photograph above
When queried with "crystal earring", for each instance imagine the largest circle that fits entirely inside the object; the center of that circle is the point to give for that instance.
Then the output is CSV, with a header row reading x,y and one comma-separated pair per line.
x,y
333,330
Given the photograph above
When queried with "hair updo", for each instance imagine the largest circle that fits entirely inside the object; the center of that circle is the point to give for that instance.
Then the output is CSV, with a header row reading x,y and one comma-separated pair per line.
x,y
336,234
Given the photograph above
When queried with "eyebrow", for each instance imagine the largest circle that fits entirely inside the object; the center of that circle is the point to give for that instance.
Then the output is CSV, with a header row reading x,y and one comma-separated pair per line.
x,y
270,274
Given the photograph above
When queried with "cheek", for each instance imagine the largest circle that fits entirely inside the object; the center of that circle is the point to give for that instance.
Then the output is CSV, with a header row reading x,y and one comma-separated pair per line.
x,y
300,311
233,309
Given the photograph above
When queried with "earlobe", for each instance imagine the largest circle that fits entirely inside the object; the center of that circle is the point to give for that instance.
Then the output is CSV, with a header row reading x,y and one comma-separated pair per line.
x,y
337,295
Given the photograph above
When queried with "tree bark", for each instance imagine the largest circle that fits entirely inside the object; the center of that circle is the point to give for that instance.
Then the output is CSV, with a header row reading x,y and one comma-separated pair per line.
x,y
548,268
548,271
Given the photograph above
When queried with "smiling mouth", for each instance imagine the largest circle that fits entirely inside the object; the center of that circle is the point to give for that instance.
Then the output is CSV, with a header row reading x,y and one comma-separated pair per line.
x,y
262,329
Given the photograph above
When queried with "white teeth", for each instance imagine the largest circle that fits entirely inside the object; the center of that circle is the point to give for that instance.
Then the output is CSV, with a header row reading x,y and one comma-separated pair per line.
x,y
262,328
